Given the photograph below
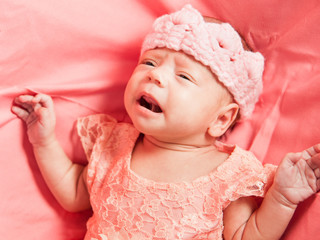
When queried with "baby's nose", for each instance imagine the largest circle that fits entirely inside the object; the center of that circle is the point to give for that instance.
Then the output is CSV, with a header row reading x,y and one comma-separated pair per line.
x,y
156,75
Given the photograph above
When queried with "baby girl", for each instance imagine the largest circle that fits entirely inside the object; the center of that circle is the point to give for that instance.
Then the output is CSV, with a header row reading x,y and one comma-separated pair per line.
x,y
166,175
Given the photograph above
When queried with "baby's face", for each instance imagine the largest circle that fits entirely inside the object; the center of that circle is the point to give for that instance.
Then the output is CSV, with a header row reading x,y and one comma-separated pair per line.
x,y
172,97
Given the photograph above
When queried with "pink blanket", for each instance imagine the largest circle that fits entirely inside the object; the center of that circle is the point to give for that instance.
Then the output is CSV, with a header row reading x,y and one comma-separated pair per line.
x,y
82,53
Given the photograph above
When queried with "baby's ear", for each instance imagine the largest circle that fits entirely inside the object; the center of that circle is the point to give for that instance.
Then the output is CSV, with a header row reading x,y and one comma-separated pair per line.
x,y
225,118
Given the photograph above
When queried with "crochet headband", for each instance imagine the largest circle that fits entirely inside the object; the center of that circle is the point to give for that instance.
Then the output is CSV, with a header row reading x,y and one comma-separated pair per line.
x,y
215,45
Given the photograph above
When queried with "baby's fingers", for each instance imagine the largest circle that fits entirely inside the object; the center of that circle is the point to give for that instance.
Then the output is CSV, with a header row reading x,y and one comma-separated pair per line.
x,y
44,100
20,112
317,173
24,99
25,102
23,107
34,103
314,161
306,154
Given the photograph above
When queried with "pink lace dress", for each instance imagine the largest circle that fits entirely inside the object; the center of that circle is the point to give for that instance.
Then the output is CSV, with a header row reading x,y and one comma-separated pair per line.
x,y
127,206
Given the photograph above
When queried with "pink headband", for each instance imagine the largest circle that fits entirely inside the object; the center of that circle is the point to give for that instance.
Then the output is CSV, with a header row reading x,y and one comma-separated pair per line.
x,y
217,46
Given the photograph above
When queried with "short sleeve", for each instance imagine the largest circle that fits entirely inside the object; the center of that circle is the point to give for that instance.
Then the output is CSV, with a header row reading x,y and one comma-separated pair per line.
x,y
107,145
94,131
92,128
246,176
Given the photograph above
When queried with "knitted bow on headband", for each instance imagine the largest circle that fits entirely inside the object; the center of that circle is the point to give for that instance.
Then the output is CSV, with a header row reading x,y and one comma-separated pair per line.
x,y
215,45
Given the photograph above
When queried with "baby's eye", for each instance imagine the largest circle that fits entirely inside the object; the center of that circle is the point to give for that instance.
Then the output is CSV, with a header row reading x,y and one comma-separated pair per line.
x,y
184,77
149,63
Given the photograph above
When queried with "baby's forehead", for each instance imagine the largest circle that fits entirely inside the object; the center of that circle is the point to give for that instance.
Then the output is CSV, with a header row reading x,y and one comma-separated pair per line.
x,y
181,59
179,56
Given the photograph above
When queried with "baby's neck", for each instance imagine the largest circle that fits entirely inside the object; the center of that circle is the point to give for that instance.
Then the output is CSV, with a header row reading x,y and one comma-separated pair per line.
x,y
151,142
172,162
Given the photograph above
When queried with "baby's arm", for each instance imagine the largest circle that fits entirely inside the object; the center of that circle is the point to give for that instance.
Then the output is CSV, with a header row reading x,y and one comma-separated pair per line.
x,y
296,179
66,180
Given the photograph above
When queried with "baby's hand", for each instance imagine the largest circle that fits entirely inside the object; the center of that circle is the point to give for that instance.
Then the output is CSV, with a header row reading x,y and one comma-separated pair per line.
x,y
298,175
38,113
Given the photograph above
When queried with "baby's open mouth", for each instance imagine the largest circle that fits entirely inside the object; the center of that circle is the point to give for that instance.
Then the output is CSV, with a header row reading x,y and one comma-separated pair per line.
x,y
150,104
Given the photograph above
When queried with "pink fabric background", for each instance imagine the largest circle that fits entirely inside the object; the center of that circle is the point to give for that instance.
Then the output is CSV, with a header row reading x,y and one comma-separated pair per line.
x,y
83,52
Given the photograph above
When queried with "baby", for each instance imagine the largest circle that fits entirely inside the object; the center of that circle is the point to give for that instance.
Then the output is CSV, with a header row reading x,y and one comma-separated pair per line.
x,y
166,176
